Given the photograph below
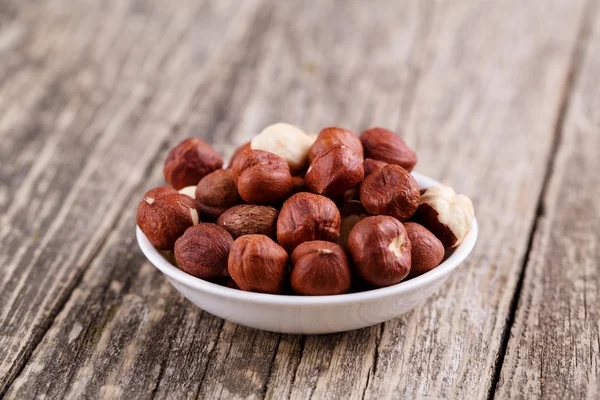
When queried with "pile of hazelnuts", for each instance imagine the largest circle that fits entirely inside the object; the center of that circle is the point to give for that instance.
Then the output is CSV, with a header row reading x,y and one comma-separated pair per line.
x,y
303,214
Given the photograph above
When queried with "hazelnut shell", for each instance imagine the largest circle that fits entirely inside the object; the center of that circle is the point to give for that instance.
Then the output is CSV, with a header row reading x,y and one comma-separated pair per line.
x,y
320,269
164,214
189,162
392,191
249,219
384,145
216,193
330,137
262,177
202,251
381,250
335,172
373,165
258,264
307,217
427,251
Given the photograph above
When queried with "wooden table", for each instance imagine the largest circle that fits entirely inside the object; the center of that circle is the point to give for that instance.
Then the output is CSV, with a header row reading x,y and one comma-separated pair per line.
x,y
500,99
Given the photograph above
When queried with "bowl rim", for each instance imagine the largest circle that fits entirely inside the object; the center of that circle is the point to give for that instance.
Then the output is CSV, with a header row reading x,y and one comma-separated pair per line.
x,y
459,254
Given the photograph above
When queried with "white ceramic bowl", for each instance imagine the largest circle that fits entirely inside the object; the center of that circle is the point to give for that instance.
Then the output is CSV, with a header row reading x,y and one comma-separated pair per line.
x,y
311,314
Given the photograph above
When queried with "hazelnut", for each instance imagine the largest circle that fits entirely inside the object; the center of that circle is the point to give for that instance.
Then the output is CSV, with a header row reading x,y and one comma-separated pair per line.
x,y
258,264
427,252
190,161
390,190
330,137
449,216
189,191
306,217
202,251
216,193
335,172
287,141
320,269
248,219
262,177
237,152
373,165
383,145
352,213
381,250
164,214
230,283
298,183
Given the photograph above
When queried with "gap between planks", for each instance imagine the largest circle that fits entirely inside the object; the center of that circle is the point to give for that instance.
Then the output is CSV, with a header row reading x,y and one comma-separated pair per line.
x,y
577,58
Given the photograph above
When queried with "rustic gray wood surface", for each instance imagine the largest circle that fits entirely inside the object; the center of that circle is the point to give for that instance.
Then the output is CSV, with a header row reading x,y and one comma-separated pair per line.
x,y
500,99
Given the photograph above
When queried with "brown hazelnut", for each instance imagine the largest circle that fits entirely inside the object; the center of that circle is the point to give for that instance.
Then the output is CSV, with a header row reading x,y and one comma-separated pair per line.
x,y
230,283
335,172
262,177
298,183
427,252
449,216
383,145
164,214
202,251
381,250
306,217
258,264
190,161
330,137
390,190
216,193
320,269
373,165
249,219
237,152
352,212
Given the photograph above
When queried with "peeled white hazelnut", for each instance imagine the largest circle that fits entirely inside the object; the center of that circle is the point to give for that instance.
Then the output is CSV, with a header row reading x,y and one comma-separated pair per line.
x,y
287,141
449,216
189,190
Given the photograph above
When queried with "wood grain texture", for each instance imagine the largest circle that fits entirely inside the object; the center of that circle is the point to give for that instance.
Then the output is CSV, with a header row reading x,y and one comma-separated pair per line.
x,y
554,347
476,87
122,91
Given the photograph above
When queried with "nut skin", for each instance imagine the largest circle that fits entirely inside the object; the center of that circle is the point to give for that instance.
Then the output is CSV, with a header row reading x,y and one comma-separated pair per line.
x,y
330,137
248,219
216,193
202,251
262,177
449,216
373,165
335,172
383,145
258,264
381,250
427,251
288,142
189,162
352,212
306,217
391,191
320,269
164,214
237,152
298,183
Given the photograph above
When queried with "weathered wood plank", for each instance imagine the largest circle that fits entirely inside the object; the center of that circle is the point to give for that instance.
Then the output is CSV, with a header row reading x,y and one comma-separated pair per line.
x,y
432,75
66,203
554,346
